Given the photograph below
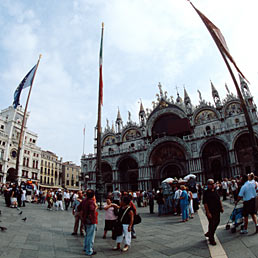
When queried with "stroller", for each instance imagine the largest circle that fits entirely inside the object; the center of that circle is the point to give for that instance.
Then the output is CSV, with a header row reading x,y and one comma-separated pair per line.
x,y
236,218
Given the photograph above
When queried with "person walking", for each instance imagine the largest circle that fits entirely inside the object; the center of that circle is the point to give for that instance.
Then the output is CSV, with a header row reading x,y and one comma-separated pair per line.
x,y
248,194
89,218
151,197
50,201
127,216
224,186
23,197
160,202
213,207
59,200
116,196
77,215
184,204
66,199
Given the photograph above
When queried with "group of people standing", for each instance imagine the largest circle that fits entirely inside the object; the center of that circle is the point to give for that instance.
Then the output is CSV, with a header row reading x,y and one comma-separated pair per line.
x,y
119,207
246,189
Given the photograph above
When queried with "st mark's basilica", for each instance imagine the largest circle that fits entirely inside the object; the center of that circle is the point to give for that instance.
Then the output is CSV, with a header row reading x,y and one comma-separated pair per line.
x,y
174,139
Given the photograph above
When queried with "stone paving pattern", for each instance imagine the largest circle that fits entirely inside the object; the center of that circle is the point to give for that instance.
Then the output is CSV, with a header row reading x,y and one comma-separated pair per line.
x,y
48,234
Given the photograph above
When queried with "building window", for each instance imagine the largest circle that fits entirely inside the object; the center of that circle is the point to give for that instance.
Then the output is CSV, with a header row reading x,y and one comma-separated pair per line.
x,y
67,182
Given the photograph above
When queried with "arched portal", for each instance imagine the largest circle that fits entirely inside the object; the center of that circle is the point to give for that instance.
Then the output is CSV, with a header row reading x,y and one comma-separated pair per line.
x,y
170,170
11,175
215,161
168,160
128,174
107,177
171,125
244,153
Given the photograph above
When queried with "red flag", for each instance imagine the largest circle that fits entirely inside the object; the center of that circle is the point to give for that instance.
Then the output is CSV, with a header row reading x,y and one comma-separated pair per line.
x,y
218,38
100,67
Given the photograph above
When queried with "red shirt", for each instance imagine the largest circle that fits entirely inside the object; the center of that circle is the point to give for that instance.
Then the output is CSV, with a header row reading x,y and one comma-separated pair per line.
x,y
89,211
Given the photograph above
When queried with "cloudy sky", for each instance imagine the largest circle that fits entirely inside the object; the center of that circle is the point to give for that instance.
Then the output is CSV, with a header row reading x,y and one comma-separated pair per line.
x,y
145,42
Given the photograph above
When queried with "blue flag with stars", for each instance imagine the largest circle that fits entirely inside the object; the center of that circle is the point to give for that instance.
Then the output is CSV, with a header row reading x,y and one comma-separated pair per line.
x,y
26,82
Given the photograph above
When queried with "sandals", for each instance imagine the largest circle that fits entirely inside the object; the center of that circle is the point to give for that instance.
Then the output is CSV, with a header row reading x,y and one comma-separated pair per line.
x,y
115,248
125,249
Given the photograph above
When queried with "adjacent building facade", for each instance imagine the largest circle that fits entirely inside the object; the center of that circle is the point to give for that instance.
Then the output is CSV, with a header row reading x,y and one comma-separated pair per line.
x,y
176,138
30,155
50,170
71,176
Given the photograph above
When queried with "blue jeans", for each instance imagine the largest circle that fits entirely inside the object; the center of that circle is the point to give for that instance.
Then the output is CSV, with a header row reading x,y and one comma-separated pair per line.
x,y
90,231
184,210
161,209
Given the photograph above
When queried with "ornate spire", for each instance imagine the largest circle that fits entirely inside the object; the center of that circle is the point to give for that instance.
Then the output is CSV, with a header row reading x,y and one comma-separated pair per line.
x,y
226,86
113,127
215,95
200,95
119,122
142,115
118,118
188,103
244,87
186,97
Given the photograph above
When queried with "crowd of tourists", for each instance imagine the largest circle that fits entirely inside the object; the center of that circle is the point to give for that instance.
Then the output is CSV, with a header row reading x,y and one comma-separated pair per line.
x,y
178,199
240,188
17,196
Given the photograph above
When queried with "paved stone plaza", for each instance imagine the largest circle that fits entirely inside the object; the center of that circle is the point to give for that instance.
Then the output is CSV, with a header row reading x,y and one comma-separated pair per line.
x,y
48,234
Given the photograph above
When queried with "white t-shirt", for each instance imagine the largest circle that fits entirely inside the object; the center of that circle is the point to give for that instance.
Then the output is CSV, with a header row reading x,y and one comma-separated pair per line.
x,y
224,185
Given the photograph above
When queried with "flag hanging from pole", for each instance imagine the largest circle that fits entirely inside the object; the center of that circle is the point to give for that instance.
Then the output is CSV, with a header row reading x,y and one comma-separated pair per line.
x,y
26,82
100,66
218,38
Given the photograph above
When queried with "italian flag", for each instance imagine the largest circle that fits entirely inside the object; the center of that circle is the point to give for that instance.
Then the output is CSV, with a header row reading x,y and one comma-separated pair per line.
x,y
100,67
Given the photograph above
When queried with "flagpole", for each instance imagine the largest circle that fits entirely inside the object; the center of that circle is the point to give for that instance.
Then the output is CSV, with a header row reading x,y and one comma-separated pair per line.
x,y
23,122
242,101
83,140
99,181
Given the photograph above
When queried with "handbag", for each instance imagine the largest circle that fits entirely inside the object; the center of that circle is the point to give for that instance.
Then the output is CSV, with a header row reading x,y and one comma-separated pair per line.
x,y
118,227
137,219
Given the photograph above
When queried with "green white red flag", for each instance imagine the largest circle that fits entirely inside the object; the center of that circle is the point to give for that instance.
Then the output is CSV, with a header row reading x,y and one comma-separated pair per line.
x,y
100,67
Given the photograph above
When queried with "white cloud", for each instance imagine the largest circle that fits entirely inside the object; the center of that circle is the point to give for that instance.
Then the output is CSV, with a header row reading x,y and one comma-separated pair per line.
x,y
144,42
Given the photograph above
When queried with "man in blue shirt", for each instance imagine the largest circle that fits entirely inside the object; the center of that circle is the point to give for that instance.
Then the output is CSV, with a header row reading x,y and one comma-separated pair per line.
x,y
248,194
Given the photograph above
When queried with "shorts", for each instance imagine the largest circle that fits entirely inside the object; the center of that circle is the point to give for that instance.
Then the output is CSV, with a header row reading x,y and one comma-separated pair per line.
x,y
13,199
249,207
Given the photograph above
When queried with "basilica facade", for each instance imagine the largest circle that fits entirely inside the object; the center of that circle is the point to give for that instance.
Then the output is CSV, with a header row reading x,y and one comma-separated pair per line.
x,y
176,138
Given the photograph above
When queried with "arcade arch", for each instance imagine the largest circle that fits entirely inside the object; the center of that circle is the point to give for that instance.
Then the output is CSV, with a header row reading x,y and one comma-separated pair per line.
x,y
128,174
244,154
215,160
106,170
11,175
168,160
